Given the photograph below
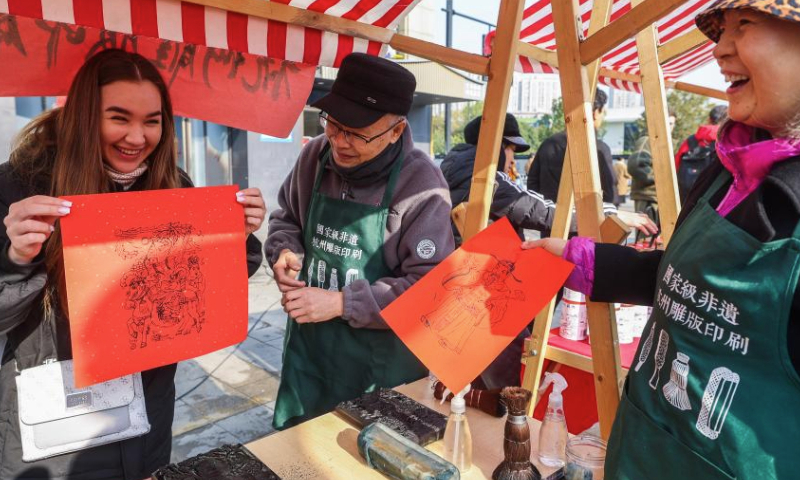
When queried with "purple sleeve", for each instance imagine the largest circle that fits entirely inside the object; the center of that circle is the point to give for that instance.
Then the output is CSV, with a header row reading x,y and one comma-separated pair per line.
x,y
580,252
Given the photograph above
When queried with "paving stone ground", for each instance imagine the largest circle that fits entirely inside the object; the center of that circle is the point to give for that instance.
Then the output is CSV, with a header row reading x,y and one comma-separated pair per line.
x,y
228,396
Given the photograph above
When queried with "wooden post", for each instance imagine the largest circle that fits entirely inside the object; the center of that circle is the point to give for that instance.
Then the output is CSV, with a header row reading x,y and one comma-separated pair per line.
x,y
666,52
639,17
534,355
501,69
300,16
468,62
698,90
655,104
582,148
678,46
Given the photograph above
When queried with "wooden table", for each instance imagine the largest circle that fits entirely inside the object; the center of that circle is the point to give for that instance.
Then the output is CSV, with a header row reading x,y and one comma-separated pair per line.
x,y
325,447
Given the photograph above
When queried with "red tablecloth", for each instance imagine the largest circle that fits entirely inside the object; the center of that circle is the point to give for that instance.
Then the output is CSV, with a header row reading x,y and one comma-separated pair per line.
x,y
626,351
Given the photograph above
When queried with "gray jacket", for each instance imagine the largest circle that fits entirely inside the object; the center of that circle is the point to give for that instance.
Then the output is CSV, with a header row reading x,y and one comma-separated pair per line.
x,y
30,342
420,210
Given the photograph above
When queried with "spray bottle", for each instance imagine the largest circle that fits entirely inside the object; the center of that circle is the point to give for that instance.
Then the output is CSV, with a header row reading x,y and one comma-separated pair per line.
x,y
553,432
457,438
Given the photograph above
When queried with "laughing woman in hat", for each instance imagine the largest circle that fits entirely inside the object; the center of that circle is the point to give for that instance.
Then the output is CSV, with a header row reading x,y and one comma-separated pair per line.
x,y
363,215
715,390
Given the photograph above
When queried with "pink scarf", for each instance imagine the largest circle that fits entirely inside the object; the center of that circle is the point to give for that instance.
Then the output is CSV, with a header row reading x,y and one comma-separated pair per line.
x,y
749,162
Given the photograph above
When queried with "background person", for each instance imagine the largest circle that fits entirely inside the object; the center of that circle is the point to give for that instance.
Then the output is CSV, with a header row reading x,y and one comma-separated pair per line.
x,y
525,209
706,133
545,173
643,179
697,152
623,181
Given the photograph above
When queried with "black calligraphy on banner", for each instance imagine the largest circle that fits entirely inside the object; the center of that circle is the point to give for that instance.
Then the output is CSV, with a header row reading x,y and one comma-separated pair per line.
x,y
232,88
108,40
277,76
173,57
222,57
9,34
72,33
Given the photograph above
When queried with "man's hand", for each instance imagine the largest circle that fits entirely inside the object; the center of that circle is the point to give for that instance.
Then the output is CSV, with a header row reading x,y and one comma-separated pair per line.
x,y
639,221
286,270
311,304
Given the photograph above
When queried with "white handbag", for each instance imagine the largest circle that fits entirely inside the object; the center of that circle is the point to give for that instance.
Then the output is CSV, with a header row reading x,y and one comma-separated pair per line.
x,y
55,417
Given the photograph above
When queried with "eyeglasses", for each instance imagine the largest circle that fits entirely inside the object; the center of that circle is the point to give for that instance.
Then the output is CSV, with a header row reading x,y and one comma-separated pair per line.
x,y
350,136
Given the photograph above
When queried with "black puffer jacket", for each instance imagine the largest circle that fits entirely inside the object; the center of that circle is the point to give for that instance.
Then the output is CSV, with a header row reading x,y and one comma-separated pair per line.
x,y
524,209
30,342
545,174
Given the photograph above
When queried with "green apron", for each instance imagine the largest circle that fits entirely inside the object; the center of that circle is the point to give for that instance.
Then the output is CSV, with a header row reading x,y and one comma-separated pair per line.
x,y
329,362
712,393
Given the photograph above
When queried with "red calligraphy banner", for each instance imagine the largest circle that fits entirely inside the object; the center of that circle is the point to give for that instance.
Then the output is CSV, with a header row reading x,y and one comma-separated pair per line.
x,y
236,89
153,278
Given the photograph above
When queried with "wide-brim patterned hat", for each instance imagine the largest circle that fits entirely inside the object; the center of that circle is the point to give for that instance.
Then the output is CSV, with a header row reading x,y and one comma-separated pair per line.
x,y
709,20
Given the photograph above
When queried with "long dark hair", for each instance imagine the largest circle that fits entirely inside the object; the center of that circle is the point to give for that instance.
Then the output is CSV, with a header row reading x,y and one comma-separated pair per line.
x,y
63,147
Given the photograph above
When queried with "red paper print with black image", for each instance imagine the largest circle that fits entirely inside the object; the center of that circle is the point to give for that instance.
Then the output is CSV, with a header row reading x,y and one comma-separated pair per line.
x,y
153,278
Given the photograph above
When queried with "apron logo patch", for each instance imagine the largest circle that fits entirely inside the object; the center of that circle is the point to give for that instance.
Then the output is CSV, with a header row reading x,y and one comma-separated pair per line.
x,y
426,249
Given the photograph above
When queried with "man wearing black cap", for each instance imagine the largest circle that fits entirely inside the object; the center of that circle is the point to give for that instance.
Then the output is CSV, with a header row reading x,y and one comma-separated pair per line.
x,y
524,209
363,215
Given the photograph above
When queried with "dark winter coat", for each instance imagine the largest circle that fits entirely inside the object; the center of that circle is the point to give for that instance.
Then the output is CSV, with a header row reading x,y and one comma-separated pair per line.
x,y
769,213
524,209
640,166
545,173
30,343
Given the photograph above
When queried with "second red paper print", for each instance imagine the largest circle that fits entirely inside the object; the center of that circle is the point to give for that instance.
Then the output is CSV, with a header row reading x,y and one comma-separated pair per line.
x,y
463,313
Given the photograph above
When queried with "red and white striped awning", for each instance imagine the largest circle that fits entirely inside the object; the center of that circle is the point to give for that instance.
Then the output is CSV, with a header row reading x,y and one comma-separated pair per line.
x,y
200,25
221,66
537,29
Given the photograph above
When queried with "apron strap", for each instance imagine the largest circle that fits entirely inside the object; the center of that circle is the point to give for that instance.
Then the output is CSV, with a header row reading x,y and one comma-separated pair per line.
x,y
326,155
796,232
398,165
723,178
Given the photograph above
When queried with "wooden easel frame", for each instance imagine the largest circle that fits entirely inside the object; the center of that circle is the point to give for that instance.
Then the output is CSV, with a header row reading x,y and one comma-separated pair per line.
x,y
579,67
